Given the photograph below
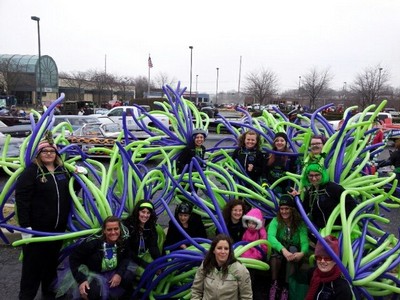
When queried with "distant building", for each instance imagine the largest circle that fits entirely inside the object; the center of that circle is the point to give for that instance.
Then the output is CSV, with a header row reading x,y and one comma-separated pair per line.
x,y
20,77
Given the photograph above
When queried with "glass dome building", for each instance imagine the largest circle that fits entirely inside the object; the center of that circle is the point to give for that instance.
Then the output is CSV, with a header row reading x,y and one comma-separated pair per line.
x,y
20,76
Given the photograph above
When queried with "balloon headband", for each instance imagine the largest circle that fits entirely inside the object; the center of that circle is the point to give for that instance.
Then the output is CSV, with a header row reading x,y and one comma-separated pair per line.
x,y
146,205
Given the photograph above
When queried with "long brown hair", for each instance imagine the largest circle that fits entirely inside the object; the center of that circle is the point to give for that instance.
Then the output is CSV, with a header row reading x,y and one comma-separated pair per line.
x,y
226,212
296,219
210,261
272,157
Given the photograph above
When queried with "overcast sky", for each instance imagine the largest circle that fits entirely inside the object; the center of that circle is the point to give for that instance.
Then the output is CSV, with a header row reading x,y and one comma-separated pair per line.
x,y
287,37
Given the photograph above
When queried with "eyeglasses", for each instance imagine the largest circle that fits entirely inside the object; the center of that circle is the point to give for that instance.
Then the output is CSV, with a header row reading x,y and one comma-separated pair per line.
x,y
314,175
316,144
325,258
50,152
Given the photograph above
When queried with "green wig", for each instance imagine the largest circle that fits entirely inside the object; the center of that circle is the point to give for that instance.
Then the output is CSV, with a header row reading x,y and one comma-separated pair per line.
x,y
315,167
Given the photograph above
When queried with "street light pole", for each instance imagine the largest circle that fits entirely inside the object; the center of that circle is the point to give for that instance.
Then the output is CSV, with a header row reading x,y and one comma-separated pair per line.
x,y
299,88
37,19
197,91
379,84
191,61
216,91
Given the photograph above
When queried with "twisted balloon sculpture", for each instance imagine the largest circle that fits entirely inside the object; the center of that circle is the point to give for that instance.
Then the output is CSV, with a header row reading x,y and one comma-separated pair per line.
x,y
369,257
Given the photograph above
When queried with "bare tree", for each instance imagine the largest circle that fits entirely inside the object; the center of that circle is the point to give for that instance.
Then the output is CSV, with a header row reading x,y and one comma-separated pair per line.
x,y
315,83
76,80
163,79
104,83
262,85
126,87
369,85
141,86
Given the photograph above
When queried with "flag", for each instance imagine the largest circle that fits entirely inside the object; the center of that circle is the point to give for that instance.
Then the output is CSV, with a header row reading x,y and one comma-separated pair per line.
x,y
150,63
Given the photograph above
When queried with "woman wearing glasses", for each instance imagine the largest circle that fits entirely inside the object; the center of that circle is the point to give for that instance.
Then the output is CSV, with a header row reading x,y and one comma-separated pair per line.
x,y
327,281
43,204
316,145
322,196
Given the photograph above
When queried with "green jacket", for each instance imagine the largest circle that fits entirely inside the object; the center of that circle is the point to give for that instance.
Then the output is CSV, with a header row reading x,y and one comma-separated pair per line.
x,y
236,285
278,240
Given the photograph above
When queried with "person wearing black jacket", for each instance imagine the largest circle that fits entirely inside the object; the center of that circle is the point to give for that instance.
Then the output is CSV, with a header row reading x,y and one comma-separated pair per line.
x,y
322,196
278,163
195,148
248,154
100,265
43,204
191,223
327,281
143,241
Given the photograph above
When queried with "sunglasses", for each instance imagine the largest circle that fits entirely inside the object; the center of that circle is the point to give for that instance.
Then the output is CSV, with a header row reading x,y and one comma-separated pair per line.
x,y
325,258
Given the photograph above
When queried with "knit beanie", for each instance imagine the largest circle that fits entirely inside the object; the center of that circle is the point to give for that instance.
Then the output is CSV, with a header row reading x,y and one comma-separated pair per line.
x,y
46,142
332,242
254,215
282,135
287,200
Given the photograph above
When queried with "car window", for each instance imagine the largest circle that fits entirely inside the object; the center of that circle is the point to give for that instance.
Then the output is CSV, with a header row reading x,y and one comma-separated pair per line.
x,y
116,112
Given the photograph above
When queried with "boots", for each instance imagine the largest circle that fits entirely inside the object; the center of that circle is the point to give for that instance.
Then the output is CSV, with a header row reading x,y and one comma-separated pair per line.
x,y
285,294
273,290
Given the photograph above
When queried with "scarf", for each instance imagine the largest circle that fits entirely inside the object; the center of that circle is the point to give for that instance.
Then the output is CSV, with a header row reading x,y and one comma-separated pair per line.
x,y
321,277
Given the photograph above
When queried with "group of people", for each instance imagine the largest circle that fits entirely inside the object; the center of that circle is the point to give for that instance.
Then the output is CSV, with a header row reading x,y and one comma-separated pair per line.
x,y
288,237
109,263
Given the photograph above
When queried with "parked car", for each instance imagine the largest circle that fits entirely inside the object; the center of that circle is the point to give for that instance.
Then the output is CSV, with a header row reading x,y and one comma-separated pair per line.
x,y
98,134
115,114
75,121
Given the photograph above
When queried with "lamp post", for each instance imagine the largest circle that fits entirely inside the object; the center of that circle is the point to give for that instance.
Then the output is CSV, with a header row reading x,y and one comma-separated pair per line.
x,y
216,90
379,84
344,90
299,87
191,61
197,91
37,19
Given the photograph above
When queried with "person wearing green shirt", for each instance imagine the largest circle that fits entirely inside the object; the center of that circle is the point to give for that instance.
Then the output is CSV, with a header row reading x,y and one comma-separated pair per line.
x,y
287,234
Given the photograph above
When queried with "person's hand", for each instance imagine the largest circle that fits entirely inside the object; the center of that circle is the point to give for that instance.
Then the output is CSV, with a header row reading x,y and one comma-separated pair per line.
x,y
250,167
288,255
294,192
183,246
82,289
80,170
115,281
26,235
297,256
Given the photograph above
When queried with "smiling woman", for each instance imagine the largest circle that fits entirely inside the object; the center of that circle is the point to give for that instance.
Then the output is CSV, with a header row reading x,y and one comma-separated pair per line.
x,y
327,280
221,276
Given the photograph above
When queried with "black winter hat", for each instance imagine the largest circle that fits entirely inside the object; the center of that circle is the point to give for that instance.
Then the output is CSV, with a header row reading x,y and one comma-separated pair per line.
x,y
281,134
287,200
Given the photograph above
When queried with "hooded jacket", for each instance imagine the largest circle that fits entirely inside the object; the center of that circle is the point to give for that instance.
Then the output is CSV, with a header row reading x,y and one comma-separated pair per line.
x,y
43,199
251,235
